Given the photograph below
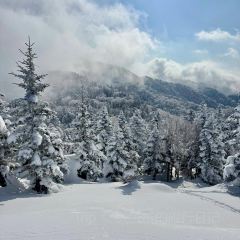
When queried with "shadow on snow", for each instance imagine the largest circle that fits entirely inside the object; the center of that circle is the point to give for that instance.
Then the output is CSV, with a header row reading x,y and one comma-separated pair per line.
x,y
130,188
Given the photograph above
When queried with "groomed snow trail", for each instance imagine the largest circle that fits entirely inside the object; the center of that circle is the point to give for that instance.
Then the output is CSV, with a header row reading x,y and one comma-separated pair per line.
x,y
113,211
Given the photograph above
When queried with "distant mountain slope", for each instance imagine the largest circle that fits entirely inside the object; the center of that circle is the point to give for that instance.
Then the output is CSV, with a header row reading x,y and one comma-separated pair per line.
x,y
209,96
118,85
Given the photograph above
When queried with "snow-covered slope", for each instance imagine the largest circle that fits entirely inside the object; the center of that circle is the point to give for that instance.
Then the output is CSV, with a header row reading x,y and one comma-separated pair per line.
x,y
121,212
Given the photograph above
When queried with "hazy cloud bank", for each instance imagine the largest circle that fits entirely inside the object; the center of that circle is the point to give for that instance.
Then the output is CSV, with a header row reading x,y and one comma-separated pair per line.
x,y
203,73
70,33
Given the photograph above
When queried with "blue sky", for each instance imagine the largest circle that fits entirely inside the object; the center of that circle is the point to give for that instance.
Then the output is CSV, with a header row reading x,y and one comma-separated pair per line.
x,y
176,22
183,18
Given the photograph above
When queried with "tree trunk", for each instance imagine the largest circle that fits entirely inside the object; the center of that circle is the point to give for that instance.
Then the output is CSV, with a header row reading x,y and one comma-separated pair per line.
x,y
40,188
169,172
154,175
3,182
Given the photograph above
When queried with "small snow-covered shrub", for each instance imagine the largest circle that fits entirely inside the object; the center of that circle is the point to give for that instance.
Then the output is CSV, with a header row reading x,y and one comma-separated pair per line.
x,y
232,169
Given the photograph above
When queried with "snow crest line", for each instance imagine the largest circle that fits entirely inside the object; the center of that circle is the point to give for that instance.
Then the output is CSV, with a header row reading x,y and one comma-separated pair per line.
x,y
220,204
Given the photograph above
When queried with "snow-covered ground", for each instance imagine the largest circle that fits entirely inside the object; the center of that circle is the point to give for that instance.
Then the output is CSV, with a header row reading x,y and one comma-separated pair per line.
x,y
139,210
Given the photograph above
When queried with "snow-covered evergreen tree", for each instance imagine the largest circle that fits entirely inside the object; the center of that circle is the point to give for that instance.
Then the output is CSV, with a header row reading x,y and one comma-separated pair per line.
x,y
152,163
129,146
119,165
193,152
103,130
232,137
232,132
139,133
31,81
37,144
81,123
211,150
201,116
91,158
190,116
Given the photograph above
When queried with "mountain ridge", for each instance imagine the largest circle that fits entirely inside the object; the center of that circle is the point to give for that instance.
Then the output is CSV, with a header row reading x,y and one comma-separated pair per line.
x,y
115,82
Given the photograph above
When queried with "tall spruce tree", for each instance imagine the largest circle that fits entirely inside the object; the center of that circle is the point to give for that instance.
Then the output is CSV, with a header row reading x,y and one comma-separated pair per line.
x,y
90,157
153,155
37,143
139,134
232,132
119,165
103,129
129,146
232,137
211,150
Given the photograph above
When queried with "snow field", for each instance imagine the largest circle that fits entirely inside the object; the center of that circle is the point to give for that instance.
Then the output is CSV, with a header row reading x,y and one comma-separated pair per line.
x,y
139,210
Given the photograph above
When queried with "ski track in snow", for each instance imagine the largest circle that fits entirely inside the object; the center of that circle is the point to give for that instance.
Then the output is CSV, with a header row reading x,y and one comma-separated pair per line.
x,y
216,202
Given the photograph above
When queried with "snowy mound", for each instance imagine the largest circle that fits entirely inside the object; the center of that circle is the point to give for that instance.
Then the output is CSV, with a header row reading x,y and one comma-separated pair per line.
x,y
161,187
135,186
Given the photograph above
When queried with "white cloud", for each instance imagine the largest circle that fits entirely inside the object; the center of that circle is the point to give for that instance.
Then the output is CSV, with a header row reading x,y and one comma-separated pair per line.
x,y
206,73
217,35
201,51
233,53
69,32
